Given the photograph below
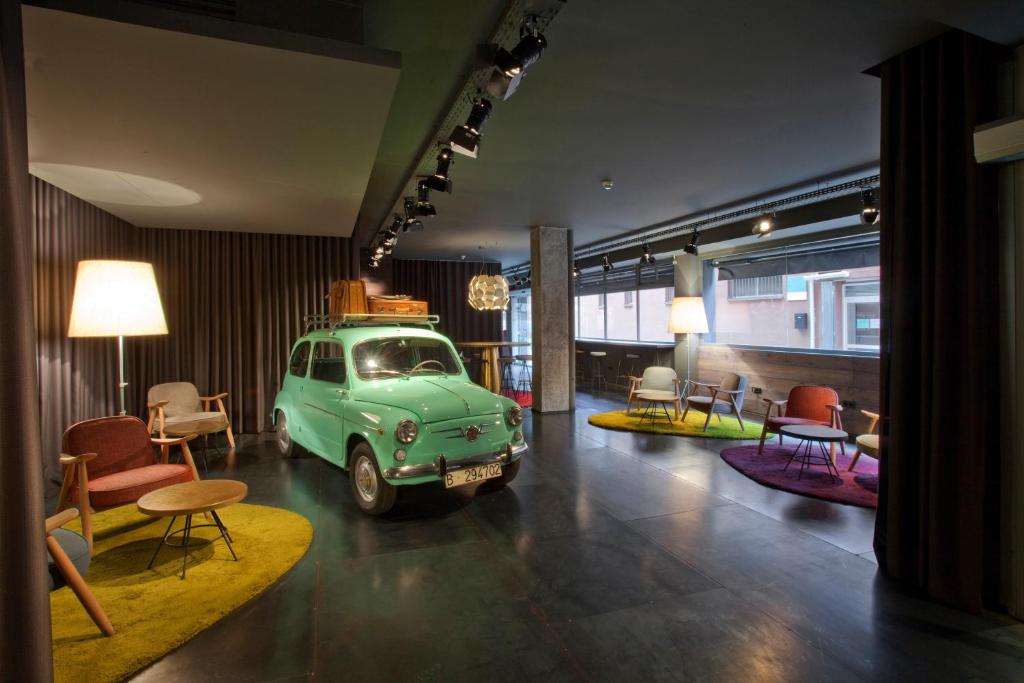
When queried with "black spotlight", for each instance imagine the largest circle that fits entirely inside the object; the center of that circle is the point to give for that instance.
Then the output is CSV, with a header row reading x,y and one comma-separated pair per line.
x,y
691,248
576,272
764,226
423,205
510,65
411,222
647,256
869,214
465,139
606,263
441,181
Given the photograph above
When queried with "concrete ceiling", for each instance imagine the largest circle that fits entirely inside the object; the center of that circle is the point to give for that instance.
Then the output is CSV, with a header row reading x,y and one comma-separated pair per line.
x,y
686,106
169,129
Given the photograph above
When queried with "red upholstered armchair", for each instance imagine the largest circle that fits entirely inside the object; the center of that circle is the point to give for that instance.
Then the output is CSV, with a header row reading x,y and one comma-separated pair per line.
x,y
111,461
806,405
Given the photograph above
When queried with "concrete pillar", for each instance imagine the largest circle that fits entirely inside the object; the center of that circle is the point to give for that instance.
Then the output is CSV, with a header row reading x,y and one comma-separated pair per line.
x,y
552,311
689,281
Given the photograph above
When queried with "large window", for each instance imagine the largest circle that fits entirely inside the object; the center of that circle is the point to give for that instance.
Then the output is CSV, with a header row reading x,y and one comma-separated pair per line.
x,y
628,304
822,296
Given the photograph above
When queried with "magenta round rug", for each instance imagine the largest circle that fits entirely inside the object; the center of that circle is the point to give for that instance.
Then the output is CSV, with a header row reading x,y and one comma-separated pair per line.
x,y
859,487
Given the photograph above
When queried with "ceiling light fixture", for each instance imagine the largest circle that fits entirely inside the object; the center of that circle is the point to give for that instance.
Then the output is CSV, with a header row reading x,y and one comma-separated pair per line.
x,y
441,180
764,226
411,222
869,213
691,248
465,139
576,272
510,65
488,293
647,256
607,184
423,205
606,263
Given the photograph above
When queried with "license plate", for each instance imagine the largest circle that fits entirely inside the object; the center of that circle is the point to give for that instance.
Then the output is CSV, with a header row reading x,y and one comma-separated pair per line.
x,y
471,475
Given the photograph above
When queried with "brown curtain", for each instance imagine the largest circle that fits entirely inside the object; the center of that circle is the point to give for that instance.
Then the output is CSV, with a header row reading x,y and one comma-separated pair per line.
x,y
234,304
444,285
937,527
24,593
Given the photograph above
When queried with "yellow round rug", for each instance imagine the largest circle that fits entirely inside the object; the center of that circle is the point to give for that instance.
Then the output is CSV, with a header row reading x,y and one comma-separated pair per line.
x,y
153,611
727,428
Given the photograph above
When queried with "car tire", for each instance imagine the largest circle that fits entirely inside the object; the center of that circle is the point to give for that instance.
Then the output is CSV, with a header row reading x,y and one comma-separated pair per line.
x,y
508,473
285,443
372,493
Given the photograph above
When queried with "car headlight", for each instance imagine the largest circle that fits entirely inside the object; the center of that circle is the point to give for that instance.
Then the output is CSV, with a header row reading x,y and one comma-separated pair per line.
x,y
406,430
515,416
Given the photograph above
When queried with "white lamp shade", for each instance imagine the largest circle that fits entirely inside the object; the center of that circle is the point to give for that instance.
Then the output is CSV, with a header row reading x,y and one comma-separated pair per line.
x,y
116,298
687,316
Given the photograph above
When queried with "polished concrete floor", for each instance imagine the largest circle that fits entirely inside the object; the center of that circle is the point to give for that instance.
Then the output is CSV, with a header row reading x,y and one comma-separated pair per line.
x,y
613,557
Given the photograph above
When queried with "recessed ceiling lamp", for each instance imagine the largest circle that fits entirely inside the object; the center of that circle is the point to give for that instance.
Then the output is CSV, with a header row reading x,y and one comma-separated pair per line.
x,y
423,205
465,139
647,256
441,181
764,226
691,248
511,65
606,263
411,222
488,293
607,184
869,213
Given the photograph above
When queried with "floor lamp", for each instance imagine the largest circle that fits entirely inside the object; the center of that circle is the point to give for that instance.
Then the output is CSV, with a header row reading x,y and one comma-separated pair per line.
x,y
688,317
116,299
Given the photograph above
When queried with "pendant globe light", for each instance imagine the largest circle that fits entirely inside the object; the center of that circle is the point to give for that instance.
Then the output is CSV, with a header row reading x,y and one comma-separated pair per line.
x,y
488,293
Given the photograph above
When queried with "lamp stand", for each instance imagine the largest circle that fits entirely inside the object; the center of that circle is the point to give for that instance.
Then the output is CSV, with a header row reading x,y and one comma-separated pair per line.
x,y
121,384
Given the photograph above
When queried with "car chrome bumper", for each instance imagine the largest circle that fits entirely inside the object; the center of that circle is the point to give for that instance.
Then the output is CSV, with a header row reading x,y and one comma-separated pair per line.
x,y
441,465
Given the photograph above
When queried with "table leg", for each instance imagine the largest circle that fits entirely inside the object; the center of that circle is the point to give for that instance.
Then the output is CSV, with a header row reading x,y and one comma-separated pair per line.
x,y
491,358
161,544
185,536
224,534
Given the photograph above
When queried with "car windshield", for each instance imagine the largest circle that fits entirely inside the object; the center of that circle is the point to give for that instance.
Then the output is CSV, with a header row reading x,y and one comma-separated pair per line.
x,y
403,357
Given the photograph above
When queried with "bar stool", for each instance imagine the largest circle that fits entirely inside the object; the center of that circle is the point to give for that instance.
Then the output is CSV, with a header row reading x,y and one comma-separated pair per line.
x,y
581,357
525,383
631,359
508,382
597,379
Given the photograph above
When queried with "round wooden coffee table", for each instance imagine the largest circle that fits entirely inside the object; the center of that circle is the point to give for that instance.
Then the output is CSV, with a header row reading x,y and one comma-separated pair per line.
x,y
187,499
808,436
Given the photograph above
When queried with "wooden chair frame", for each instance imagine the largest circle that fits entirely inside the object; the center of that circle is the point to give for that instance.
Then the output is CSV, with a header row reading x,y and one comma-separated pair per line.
x,y
76,472
874,417
157,419
71,575
715,389
634,388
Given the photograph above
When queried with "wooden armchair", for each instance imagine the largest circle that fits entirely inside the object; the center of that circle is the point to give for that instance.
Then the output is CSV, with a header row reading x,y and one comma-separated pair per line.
x,y
724,398
108,462
867,443
806,405
177,409
657,379
70,573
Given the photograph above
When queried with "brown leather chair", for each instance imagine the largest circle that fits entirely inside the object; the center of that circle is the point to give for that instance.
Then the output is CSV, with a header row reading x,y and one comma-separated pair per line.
x,y
108,462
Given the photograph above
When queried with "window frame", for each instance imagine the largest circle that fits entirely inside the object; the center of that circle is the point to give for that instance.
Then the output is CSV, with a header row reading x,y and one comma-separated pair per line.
x,y
634,305
344,359
309,353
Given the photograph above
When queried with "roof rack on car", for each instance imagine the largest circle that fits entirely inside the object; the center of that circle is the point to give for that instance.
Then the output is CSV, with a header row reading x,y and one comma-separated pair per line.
x,y
368,320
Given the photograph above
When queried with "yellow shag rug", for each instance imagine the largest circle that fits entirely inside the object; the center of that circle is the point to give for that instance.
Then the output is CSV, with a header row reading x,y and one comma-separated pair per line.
x,y
152,610
728,428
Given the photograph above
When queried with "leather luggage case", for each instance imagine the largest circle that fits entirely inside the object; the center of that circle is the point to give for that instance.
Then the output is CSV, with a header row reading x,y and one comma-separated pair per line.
x,y
347,296
379,306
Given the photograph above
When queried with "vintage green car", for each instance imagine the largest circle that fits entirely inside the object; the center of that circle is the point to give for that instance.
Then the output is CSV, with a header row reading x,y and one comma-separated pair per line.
x,y
393,405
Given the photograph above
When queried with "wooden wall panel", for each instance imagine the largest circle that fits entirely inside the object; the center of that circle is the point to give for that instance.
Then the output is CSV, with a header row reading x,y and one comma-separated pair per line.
x,y
776,372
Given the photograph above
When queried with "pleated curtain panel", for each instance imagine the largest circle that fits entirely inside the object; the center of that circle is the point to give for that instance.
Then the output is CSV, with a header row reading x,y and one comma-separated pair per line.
x,y
938,522
234,304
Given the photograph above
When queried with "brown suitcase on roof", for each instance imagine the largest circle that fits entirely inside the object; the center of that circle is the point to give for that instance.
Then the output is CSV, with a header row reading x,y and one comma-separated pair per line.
x,y
380,306
347,296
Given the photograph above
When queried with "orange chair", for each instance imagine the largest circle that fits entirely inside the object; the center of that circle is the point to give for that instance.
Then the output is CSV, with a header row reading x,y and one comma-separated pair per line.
x,y
111,461
806,405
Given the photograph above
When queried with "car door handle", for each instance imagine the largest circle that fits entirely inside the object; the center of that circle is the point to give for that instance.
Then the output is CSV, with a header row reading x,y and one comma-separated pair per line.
x,y
343,393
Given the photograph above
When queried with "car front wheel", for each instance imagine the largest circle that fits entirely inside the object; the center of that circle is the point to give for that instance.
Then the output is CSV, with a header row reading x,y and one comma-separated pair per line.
x,y
372,493
288,448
